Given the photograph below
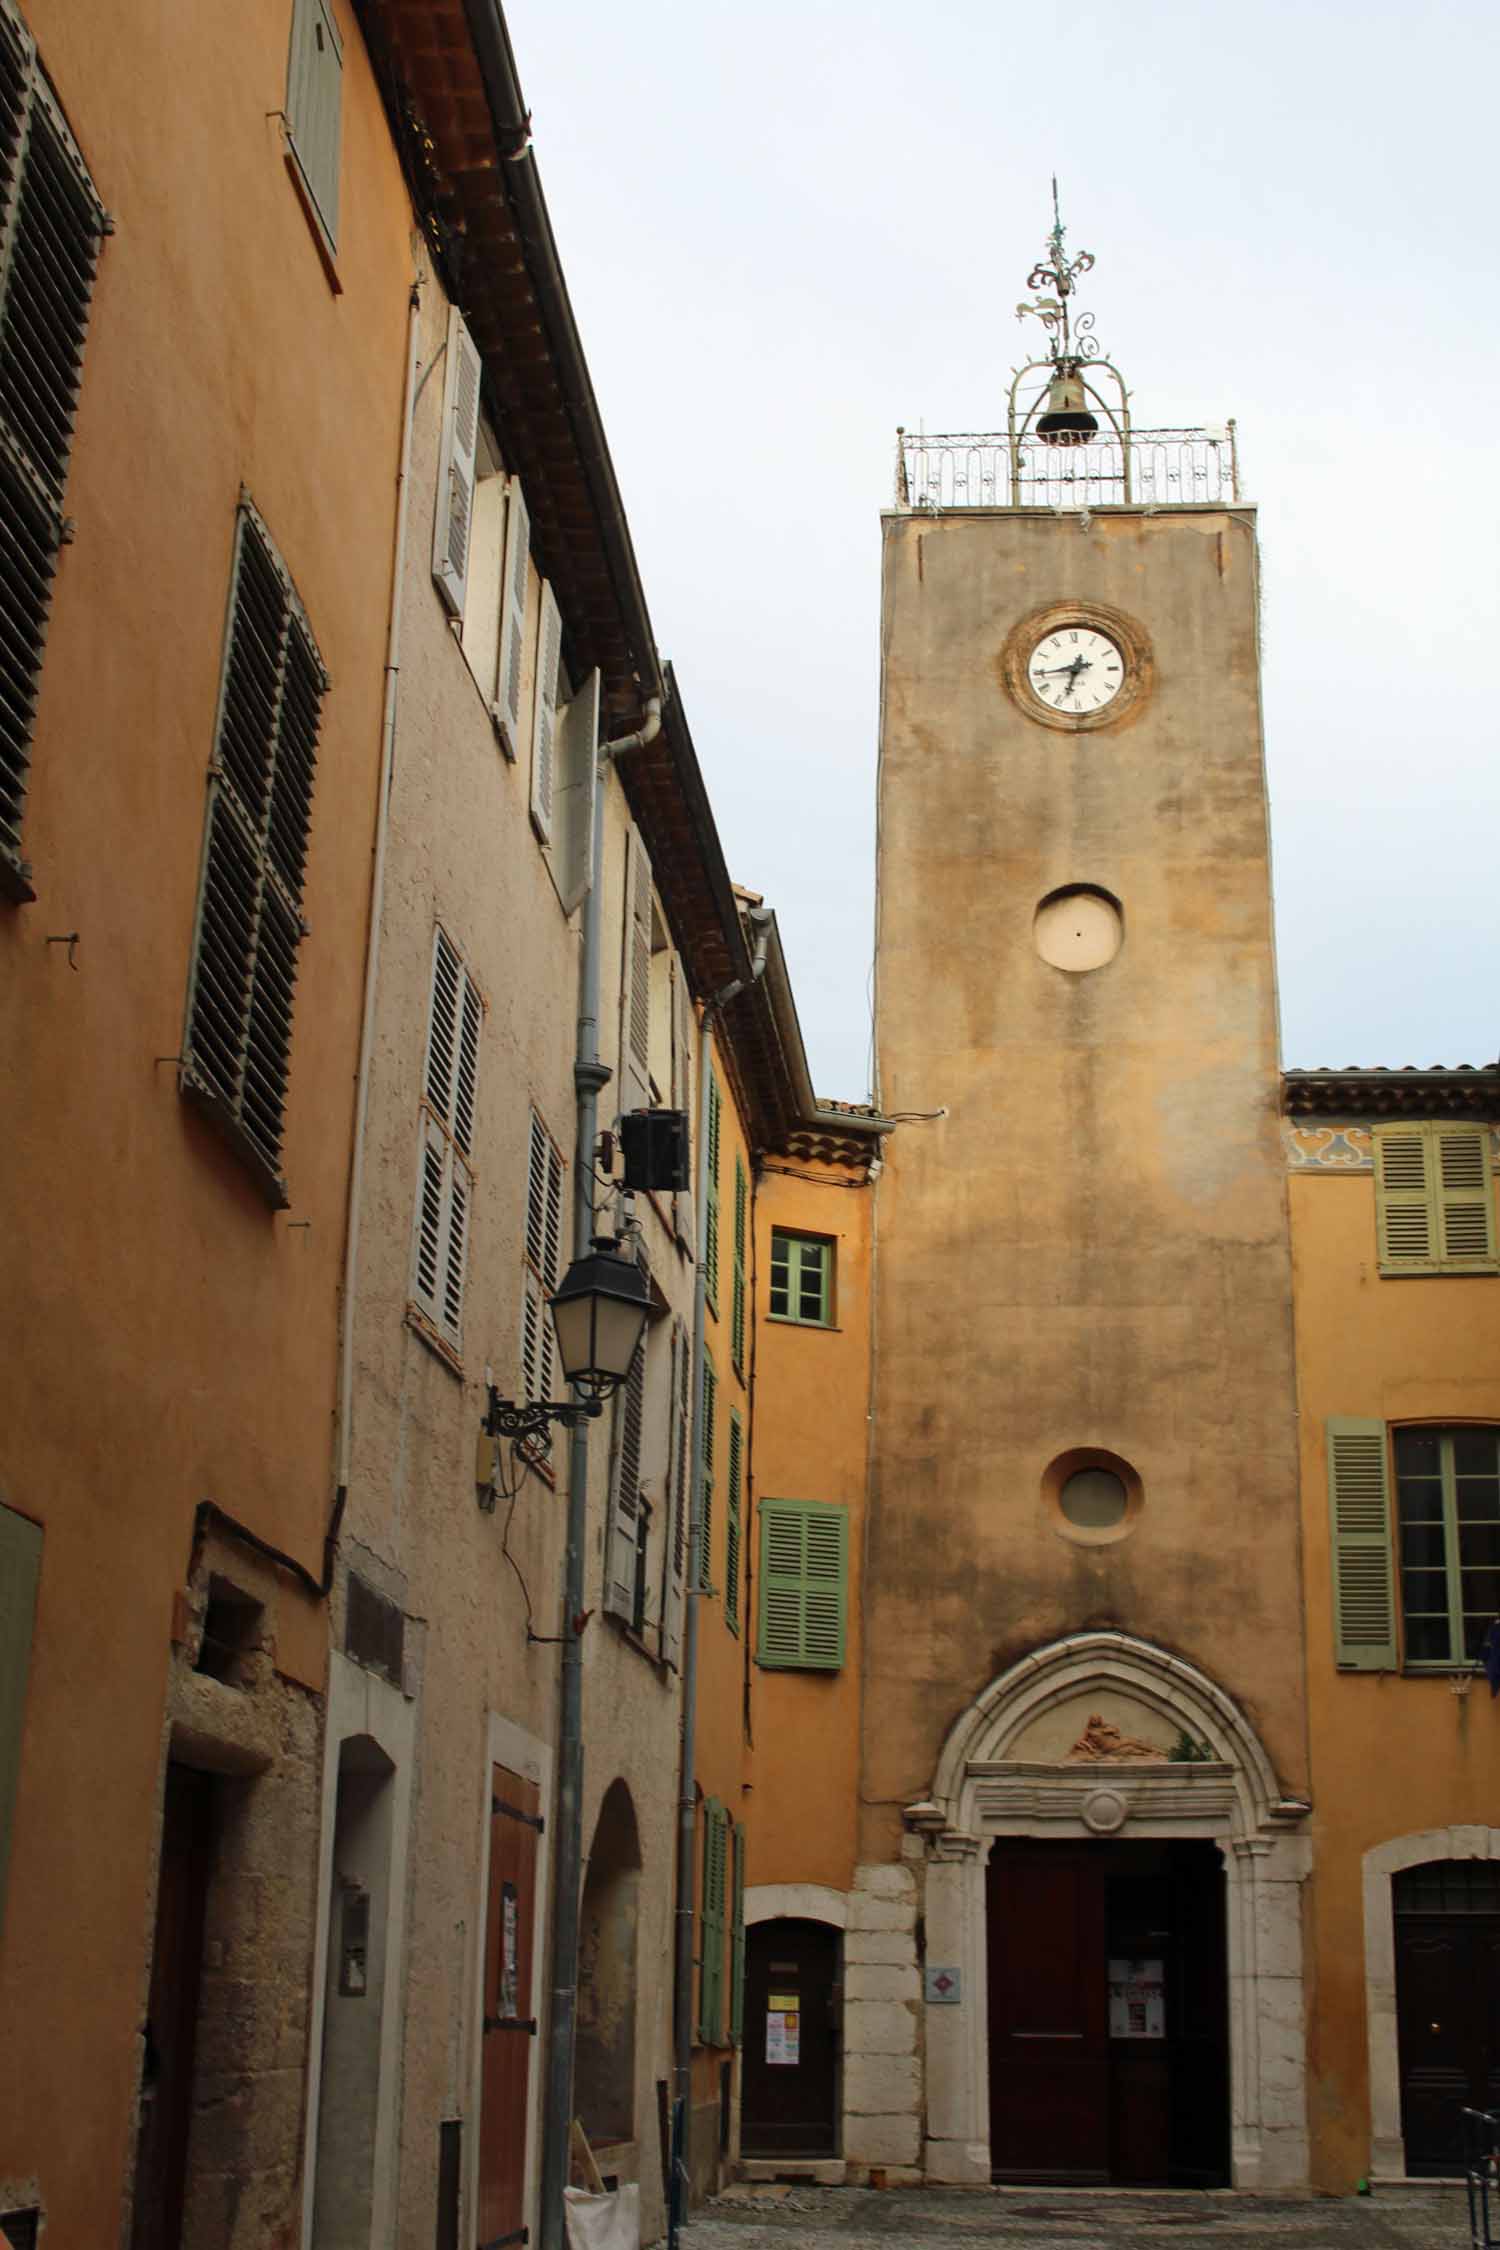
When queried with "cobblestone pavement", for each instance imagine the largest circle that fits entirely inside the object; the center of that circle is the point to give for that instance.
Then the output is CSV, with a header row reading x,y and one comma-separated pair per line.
x,y
813,2218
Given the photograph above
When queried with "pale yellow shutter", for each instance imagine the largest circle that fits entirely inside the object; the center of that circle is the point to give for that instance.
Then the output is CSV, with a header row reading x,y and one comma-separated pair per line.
x,y
1465,1195
1403,1200
1364,1597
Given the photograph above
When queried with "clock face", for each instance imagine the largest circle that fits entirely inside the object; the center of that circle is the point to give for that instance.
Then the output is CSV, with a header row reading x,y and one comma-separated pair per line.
x,y
1075,670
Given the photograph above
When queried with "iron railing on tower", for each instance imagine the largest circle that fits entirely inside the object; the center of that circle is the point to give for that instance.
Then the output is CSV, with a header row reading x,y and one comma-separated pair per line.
x,y
1129,468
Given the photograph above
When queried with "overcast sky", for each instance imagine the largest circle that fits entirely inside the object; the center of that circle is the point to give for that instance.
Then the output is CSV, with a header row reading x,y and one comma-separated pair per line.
x,y
787,229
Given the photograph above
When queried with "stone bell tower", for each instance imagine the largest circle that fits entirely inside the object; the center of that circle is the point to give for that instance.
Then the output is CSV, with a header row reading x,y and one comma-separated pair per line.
x,y
1083,1705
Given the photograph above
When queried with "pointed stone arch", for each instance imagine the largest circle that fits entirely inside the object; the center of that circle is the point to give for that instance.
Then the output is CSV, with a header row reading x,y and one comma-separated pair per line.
x,y
1195,1768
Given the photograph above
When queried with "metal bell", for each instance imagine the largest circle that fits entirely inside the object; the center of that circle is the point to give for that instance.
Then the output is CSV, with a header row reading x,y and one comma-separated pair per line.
x,y
1067,420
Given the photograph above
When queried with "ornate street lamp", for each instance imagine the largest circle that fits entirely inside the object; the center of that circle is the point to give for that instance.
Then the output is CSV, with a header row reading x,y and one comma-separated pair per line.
x,y
598,1314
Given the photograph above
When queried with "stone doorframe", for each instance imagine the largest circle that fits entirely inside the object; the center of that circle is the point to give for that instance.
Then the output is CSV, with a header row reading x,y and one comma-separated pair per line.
x,y
980,1792
1380,1863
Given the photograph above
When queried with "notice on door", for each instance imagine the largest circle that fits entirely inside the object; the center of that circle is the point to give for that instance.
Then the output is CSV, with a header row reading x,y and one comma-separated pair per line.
x,y
1137,2000
783,2028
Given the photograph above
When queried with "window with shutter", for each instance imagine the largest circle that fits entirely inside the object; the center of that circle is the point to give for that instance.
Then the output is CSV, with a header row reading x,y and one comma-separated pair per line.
x,y
1434,1199
684,1041
737,1943
712,1923
517,573
801,1279
237,1047
577,779
314,106
1364,1618
544,714
625,1490
711,1214
1448,1505
635,978
543,1261
453,520
804,1570
737,1297
51,225
445,1174
20,1572
679,1475
733,1479
706,1431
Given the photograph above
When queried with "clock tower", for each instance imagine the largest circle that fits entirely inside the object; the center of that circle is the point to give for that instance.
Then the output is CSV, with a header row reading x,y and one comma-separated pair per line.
x,y
1084,1736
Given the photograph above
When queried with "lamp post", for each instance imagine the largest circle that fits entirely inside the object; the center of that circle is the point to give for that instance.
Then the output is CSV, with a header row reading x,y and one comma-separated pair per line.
x,y
598,1313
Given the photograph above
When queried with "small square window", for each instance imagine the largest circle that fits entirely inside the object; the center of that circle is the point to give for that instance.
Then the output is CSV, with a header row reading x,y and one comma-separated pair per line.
x,y
801,1278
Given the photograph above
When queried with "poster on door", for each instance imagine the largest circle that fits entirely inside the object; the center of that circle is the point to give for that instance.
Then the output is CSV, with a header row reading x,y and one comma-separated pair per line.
x,y
1137,2000
783,2028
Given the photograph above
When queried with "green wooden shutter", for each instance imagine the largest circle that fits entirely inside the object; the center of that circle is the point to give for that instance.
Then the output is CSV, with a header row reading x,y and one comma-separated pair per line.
x,y
711,1217
20,1569
804,1573
737,1317
732,1484
711,1966
1464,1196
1403,1200
706,1436
737,1944
1364,1604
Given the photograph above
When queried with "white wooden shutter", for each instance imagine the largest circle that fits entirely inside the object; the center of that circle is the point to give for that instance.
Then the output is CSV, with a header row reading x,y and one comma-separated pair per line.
x,y
635,979
684,1050
1364,1601
445,1182
625,1489
577,767
544,715
1465,1196
455,504
678,1488
314,103
507,706
544,1218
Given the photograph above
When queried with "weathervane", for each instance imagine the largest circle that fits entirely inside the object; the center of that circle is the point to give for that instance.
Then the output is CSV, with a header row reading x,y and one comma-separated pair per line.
x,y
1062,409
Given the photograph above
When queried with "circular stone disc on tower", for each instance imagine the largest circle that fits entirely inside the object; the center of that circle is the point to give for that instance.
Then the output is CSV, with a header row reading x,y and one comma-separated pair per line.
x,y
1078,929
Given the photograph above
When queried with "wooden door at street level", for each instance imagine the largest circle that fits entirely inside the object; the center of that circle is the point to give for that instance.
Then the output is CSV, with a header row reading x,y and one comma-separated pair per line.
x,y
172,2010
789,2099
1048,2016
509,2027
1447,1916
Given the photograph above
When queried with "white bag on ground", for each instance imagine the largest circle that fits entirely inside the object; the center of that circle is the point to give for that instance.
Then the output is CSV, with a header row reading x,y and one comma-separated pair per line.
x,y
604,2222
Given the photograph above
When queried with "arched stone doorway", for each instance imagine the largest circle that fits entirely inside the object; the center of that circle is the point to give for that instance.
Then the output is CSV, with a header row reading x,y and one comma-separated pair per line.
x,y
604,2063
1102,1736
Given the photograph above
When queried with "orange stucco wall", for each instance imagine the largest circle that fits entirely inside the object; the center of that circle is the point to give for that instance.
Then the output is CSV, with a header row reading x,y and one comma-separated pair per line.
x,y
1391,1754
812,1400
168,1338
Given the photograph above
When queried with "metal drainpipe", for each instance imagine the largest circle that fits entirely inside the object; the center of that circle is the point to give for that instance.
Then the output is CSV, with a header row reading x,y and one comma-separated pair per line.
x,y
590,1076
687,1805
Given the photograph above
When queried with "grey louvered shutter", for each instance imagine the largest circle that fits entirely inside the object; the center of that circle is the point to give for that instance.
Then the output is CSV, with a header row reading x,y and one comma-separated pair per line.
x,y
707,1431
625,1490
458,466
679,1474
543,1254
577,772
733,1480
544,715
20,1572
635,979
236,1055
314,106
507,709
51,226
1364,1604
684,1048
445,1184
1465,1195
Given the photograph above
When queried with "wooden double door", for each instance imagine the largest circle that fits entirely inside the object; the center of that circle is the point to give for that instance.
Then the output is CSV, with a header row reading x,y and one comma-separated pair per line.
x,y
1447,1916
1108,2013
789,2096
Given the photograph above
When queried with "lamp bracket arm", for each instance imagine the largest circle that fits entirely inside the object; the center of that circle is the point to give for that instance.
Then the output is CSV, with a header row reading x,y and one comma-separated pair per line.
x,y
506,1419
